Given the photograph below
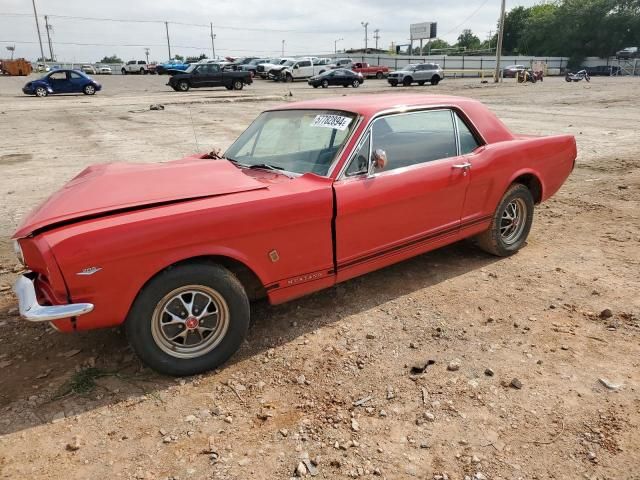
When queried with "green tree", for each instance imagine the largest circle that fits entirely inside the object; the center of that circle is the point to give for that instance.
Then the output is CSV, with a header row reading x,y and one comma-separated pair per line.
x,y
437,47
112,59
194,59
180,58
467,40
515,22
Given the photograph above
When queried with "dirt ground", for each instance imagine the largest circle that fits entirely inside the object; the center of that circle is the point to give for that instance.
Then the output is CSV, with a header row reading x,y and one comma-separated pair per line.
x,y
327,379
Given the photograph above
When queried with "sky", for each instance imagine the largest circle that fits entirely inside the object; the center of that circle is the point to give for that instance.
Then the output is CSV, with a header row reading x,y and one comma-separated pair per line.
x,y
255,27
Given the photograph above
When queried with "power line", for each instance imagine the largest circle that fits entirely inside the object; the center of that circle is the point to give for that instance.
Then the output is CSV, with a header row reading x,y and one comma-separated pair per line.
x,y
467,19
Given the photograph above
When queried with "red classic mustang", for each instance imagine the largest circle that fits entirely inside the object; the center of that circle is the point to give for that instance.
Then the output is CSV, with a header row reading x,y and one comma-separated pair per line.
x,y
311,194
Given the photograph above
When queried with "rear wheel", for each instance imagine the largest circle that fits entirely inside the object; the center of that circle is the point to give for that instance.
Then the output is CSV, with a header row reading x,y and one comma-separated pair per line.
x,y
189,319
237,84
41,92
143,71
435,80
510,224
379,75
89,90
183,86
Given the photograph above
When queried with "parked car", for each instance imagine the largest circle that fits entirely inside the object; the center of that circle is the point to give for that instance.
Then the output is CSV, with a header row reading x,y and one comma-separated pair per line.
x,y
42,67
239,62
104,70
628,53
90,69
300,69
512,71
419,73
603,70
201,75
252,66
62,81
342,63
311,194
172,65
264,69
367,71
339,76
151,68
135,66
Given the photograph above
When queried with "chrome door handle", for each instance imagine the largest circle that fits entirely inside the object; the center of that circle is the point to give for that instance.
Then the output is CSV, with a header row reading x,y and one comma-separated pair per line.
x,y
462,166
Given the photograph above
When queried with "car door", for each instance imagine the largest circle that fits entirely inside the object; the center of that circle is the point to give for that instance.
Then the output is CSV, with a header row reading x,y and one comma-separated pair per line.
x,y
199,76
59,82
339,77
214,75
76,82
305,70
411,205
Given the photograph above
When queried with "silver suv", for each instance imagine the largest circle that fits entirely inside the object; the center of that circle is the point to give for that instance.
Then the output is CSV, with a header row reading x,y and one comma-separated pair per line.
x,y
419,73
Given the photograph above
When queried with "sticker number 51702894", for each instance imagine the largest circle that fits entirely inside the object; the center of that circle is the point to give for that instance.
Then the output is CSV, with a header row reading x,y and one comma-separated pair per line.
x,y
337,122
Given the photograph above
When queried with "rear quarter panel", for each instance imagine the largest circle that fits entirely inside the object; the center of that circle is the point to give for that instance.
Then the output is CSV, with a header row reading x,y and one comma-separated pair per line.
x,y
496,166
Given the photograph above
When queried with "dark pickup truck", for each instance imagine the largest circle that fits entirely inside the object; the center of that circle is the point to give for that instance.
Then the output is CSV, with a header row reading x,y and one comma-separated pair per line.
x,y
209,75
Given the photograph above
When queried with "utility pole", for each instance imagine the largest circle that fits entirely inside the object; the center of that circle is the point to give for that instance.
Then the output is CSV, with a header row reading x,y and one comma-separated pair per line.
x,y
35,14
48,27
376,35
366,36
166,26
499,45
146,53
283,48
213,45
335,45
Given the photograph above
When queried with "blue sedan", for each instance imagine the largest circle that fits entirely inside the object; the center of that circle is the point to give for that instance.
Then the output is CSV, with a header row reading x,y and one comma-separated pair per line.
x,y
62,81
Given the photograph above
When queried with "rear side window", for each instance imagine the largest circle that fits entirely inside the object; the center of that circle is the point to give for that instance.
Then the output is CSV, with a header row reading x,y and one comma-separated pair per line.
x,y
468,141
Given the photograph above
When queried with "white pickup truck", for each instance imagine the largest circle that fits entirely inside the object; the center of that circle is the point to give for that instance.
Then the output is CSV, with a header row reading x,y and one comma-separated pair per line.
x,y
300,69
135,66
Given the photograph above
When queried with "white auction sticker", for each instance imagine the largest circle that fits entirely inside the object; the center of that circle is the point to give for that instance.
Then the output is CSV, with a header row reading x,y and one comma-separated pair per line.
x,y
337,122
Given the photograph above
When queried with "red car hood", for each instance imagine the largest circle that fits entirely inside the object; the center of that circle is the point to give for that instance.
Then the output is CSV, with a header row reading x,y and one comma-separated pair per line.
x,y
117,186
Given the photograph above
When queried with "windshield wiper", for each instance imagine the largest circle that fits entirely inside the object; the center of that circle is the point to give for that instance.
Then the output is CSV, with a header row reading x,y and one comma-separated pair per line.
x,y
266,166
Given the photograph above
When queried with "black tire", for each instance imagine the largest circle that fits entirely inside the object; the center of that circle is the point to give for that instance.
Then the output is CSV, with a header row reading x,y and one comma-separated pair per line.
x,y
314,86
139,325
89,90
238,84
355,83
40,92
325,83
183,86
143,71
228,87
393,84
567,78
435,80
407,81
493,240
379,75
123,71
421,83
288,78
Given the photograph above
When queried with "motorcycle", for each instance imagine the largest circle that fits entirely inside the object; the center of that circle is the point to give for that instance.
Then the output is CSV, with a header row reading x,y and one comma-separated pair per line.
x,y
526,75
576,77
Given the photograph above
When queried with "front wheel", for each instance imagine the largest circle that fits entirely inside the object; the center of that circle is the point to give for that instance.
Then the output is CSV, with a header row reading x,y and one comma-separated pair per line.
x,y
183,86
510,224
325,83
189,319
89,90
407,82
143,71
355,83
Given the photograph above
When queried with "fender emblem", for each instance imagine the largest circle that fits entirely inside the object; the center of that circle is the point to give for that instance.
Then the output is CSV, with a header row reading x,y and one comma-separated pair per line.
x,y
89,271
273,255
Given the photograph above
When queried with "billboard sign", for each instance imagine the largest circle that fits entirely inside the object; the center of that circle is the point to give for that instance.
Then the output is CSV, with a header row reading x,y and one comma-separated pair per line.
x,y
424,30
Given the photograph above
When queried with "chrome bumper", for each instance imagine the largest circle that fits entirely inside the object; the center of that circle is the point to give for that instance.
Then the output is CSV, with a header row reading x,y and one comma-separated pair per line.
x,y
32,311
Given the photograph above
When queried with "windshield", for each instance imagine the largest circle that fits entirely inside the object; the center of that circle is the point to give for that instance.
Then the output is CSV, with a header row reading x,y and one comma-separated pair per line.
x,y
288,63
298,141
191,67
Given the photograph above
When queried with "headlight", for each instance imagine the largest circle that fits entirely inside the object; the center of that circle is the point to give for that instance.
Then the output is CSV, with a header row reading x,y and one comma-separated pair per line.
x,y
18,249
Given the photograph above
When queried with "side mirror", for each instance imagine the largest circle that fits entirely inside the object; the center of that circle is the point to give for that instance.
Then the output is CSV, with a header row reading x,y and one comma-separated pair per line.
x,y
295,67
378,161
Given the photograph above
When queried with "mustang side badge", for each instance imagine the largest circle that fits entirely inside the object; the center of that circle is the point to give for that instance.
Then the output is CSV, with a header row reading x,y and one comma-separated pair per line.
x,y
89,271
273,255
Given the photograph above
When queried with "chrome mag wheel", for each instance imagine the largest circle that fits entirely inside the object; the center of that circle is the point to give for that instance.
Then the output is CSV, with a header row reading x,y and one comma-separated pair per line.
x,y
190,321
513,221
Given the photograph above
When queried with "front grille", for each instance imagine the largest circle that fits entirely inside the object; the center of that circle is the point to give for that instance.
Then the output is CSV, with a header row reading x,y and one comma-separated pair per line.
x,y
261,68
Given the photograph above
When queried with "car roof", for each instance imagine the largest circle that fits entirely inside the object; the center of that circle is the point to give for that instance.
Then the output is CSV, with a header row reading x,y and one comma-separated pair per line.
x,y
369,105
